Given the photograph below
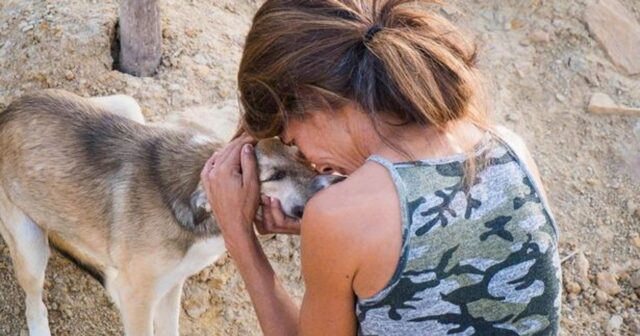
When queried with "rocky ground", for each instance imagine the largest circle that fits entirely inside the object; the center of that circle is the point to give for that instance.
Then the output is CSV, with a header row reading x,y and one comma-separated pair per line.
x,y
543,60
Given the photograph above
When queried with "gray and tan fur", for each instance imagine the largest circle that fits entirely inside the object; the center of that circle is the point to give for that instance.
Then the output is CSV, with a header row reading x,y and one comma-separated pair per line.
x,y
120,198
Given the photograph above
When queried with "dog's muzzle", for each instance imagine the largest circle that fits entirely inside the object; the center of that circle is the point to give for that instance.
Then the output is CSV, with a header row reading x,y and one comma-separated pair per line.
x,y
322,181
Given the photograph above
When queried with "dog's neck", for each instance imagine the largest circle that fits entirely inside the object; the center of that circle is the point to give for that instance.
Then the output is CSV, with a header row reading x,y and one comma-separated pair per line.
x,y
174,162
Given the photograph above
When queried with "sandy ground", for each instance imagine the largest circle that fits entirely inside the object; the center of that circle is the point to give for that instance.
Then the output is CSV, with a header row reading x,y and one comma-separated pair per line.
x,y
541,64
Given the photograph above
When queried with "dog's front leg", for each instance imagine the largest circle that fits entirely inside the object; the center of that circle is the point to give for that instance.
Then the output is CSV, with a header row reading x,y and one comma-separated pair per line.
x,y
167,315
137,301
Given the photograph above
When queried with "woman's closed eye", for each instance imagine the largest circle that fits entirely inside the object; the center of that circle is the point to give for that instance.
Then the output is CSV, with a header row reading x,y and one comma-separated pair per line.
x,y
276,176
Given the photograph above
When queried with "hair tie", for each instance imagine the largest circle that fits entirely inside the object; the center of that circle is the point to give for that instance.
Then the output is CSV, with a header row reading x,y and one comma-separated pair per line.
x,y
371,32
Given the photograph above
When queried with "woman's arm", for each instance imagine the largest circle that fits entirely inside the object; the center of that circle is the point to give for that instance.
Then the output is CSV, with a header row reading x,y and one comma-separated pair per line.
x,y
329,264
276,311
230,181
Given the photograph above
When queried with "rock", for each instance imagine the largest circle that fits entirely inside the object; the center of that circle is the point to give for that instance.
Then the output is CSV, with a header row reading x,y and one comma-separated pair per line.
x,y
196,301
634,280
615,322
601,297
573,287
27,28
608,283
614,26
582,270
635,239
539,36
69,75
200,59
601,103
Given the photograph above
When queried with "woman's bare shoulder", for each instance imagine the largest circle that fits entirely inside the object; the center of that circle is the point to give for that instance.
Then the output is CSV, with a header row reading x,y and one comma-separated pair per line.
x,y
349,206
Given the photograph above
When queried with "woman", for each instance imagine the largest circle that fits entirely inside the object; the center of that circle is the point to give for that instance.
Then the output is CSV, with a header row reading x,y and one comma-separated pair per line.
x,y
441,227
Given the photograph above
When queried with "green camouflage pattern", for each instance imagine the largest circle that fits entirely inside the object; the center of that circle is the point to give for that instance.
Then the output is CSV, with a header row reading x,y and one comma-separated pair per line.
x,y
478,258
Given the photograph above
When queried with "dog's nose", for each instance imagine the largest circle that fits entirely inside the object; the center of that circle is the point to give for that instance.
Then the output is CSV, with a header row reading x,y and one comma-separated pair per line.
x,y
297,211
322,181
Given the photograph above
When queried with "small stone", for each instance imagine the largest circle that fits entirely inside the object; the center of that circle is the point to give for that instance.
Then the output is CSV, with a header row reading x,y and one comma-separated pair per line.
x,y
616,28
592,181
608,283
516,24
560,98
196,301
191,32
200,59
635,240
634,280
615,322
539,36
69,75
27,28
24,332
601,297
512,117
573,287
601,103
201,71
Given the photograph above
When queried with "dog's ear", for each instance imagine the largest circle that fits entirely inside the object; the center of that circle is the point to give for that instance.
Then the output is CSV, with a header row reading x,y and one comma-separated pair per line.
x,y
194,214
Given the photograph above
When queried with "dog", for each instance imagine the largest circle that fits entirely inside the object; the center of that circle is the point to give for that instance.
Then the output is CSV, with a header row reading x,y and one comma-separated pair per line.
x,y
121,199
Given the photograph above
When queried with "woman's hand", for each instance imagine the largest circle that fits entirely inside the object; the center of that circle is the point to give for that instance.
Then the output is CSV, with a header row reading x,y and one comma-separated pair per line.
x,y
230,180
273,219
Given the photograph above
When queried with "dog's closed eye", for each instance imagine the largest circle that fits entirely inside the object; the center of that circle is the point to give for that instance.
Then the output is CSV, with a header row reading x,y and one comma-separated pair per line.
x,y
276,176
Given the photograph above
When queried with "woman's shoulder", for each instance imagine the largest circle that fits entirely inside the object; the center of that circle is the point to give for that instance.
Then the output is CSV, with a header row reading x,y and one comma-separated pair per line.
x,y
519,148
349,206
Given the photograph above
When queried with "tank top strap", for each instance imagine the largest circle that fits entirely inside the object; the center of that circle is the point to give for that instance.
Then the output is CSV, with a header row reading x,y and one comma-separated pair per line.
x,y
401,190
395,176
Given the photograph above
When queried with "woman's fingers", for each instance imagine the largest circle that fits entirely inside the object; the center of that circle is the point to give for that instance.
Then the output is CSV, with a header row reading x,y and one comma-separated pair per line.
x,y
206,171
230,155
274,220
249,166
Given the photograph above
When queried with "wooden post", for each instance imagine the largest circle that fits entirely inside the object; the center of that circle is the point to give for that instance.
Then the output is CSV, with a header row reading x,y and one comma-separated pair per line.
x,y
140,37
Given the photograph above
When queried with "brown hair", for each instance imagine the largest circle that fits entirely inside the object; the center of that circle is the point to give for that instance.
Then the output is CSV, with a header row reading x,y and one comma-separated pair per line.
x,y
389,57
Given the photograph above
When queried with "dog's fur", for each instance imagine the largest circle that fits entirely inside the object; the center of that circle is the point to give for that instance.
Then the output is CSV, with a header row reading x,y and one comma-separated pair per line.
x,y
120,198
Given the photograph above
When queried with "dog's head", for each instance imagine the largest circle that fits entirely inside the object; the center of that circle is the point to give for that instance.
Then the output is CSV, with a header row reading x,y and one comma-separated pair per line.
x,y
284,174
287,176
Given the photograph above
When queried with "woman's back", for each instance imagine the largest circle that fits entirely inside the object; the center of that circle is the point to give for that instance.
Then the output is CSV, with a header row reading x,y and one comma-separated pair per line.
x,y
477,258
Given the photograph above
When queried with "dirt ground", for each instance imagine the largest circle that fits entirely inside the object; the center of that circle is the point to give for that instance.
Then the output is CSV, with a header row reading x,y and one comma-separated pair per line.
x,y
541,64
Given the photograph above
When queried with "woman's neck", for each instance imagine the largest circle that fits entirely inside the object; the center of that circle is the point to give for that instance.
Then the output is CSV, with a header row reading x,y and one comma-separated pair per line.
x,y
419,142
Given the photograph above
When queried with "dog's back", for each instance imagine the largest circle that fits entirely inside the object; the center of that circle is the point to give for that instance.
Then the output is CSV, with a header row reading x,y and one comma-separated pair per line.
x,y
94,180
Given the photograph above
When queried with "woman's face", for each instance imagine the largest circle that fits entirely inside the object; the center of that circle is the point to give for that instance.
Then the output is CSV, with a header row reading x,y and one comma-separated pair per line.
x,y
334,141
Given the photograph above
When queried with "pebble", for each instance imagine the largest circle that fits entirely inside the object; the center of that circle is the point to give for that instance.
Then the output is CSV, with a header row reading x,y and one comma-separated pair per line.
x,y
539,36
573,287
601,297
616,28
615,322
635,279
27,28
582,267
635,239
608,283
200,59
601,103
69,75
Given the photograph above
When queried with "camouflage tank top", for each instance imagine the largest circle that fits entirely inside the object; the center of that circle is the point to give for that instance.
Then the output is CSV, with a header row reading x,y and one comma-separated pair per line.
x,y
477,258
